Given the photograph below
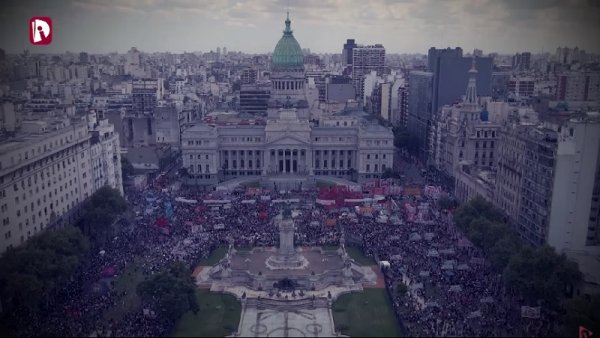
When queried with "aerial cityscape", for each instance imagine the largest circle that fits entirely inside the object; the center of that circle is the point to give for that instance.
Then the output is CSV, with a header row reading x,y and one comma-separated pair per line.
x,y
270,168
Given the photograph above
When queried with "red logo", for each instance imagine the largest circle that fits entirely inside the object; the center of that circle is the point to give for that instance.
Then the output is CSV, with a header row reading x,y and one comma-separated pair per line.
x,y
584,333
40,30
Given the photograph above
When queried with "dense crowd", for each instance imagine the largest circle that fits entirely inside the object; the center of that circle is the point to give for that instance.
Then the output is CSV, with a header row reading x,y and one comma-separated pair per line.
x,y
441,301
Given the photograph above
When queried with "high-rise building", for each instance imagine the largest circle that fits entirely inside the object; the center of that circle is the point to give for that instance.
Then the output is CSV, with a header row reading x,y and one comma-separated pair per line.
x,y
364,60
347,52
254,97
133,63
574,214
383,104
500,81
578,86
450,70
249,75
399,104
521,86
83,57
144,95
420,101
434,54
105,154
548,182
521,61
46,173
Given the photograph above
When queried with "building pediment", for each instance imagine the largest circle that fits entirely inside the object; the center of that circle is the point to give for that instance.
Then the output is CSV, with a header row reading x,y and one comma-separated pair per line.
x,y
287,139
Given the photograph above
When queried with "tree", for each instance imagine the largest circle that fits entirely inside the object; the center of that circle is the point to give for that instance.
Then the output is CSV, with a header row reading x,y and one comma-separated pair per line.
x,y
99,213
170,293
34,271
541,275
127,169
503,249
404,139
446,202
389,173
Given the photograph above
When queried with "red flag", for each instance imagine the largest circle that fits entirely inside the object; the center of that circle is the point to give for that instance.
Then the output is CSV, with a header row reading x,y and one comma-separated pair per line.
x,y
584,333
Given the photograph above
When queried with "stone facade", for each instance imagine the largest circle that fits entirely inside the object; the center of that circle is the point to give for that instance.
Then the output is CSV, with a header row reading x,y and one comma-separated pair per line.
x,y
287,145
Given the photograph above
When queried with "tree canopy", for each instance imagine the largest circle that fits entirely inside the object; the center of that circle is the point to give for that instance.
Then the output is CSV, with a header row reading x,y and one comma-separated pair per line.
x,y
539,274
32,272
99,213
403,139
170,293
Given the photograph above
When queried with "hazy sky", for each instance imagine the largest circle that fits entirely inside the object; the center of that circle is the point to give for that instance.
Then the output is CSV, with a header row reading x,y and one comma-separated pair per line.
x,y
254,26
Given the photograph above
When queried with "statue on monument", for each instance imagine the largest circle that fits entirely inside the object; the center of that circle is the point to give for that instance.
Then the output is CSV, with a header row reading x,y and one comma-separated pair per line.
x,y
286,256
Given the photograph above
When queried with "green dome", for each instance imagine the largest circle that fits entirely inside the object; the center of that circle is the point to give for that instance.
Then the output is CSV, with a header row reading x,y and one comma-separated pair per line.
x,y
288,54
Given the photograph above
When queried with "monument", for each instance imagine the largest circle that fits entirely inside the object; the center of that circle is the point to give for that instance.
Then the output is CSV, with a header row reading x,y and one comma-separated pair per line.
x,y
286,257
287,290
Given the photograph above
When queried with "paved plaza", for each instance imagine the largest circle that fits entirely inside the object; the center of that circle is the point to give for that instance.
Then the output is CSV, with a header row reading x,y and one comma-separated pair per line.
x,y
316,322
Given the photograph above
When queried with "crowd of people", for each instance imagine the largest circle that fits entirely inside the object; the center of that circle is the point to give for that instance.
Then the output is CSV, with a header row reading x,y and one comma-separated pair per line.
x,y
451,291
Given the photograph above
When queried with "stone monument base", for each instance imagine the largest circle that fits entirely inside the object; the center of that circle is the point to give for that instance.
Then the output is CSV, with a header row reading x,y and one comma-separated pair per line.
x,y
286,262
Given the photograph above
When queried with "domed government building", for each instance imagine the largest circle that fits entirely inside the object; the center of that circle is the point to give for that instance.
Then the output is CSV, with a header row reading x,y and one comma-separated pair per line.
x,y
293,146
287,72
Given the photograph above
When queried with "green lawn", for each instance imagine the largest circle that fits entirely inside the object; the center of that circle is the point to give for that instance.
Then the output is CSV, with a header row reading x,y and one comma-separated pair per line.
x,y
214,257
127,281
358,256
365,314
219,316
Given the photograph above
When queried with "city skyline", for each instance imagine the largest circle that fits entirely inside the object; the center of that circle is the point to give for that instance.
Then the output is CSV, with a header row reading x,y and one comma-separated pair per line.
x,y
321,26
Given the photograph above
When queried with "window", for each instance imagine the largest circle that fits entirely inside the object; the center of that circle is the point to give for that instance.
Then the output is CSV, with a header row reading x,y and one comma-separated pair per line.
x,y
368,156
368,168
